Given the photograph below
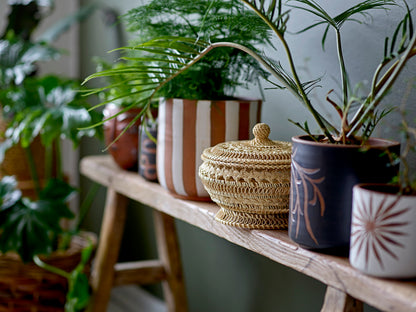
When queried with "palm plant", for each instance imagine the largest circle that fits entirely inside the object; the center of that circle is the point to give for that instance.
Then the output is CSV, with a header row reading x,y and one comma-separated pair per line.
x,y
168,57
216,76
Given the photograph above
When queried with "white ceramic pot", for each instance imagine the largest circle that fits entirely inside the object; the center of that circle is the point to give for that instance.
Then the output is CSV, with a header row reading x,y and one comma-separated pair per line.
x,y
383,232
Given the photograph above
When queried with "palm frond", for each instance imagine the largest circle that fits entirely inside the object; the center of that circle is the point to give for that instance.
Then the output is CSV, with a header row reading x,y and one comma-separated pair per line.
x,y
272,13
337,21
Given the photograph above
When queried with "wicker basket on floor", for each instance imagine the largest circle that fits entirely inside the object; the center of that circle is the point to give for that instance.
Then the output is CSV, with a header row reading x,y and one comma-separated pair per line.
x,y
249,180
25,287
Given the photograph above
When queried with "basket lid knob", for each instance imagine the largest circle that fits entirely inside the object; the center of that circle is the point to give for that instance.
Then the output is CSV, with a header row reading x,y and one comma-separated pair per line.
x,y
261,133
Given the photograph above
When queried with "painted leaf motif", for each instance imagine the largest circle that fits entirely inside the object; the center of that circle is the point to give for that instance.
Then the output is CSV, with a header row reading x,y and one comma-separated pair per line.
x,y
303,180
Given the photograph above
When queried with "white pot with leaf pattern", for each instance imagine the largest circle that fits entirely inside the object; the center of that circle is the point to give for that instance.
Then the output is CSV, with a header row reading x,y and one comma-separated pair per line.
x,y
383,231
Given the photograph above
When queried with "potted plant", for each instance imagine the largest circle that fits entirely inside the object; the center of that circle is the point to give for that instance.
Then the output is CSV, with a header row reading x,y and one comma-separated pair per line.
x,y
125,149
383,219
317,220
31,228
31,231
37,112
20,55
205,90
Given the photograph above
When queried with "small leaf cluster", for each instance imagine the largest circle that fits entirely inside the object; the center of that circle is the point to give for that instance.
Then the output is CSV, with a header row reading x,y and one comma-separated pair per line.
x,y
50,107
78,295
29,227
219,74
18,59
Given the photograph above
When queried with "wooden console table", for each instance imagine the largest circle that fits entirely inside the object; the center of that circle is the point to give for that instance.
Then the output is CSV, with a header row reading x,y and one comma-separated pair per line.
x,y
346,287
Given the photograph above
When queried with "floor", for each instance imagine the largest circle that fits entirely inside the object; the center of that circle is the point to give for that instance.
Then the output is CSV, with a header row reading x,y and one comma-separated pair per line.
x,y
134,299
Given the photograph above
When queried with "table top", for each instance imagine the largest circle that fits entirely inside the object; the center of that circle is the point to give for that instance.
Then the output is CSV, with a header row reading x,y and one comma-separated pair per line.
x,y
335,271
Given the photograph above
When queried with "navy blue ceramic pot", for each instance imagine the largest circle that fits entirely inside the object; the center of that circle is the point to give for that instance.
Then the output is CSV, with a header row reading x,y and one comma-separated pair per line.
x,y
322,178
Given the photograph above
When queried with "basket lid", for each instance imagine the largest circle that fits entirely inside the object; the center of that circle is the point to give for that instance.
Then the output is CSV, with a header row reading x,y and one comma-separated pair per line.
x,y
261,151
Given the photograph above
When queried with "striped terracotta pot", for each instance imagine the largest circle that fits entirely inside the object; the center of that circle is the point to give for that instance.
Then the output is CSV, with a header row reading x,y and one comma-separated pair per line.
x,y
187,127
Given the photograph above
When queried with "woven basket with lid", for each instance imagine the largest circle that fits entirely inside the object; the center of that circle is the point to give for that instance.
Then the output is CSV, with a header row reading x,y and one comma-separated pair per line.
x,y
249,180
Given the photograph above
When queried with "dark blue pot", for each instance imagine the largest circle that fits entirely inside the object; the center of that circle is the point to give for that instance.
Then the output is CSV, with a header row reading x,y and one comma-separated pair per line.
x,y
322,178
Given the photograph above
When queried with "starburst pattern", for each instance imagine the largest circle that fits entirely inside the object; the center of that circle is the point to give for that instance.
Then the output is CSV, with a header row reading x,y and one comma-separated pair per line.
x,y
376,228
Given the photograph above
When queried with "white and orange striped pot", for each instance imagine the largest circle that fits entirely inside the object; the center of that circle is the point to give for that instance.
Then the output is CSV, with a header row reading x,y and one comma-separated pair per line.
x,y
187,127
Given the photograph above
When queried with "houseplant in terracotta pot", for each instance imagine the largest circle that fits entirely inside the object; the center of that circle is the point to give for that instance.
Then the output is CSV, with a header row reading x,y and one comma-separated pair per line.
x,y
198,108
119,114
384,218
314,222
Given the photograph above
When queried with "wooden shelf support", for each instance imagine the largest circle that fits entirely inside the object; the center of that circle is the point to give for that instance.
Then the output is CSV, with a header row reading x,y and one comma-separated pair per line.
x,y
338,301
102,275
169,254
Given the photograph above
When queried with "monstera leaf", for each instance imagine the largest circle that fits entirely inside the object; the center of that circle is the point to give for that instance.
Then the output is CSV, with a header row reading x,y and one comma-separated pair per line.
x,y
30,227
9,194
50,107
18,59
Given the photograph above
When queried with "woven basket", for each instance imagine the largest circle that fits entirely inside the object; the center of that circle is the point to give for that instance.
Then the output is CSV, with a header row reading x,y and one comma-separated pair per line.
x,y
249,180
25,287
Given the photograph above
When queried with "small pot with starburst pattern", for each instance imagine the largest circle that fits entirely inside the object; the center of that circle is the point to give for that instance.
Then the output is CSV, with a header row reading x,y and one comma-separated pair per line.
x,y
383,231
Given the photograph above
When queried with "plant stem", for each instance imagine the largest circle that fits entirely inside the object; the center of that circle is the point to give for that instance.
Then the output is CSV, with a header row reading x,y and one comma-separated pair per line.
x,y
32,169
50,268
300,92
359,119
48,162
58,156
86,204
344,74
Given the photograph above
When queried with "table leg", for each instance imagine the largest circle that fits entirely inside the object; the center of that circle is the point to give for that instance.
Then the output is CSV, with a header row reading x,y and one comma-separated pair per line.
x,y
338,301
169,254
112,228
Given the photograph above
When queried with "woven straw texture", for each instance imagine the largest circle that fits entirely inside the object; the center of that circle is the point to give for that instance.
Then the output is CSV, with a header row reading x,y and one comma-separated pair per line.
x,y
28,288
249,180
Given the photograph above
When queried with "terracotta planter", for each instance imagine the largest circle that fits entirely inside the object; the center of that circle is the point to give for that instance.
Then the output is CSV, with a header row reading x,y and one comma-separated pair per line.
x,y
125,150
383,232
187,127
322,179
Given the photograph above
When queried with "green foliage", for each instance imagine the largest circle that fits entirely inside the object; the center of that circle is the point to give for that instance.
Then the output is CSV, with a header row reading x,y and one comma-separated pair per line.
x,y
218,74
78,295
121,93
18,59
50,107
9,194
169,57
32,227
